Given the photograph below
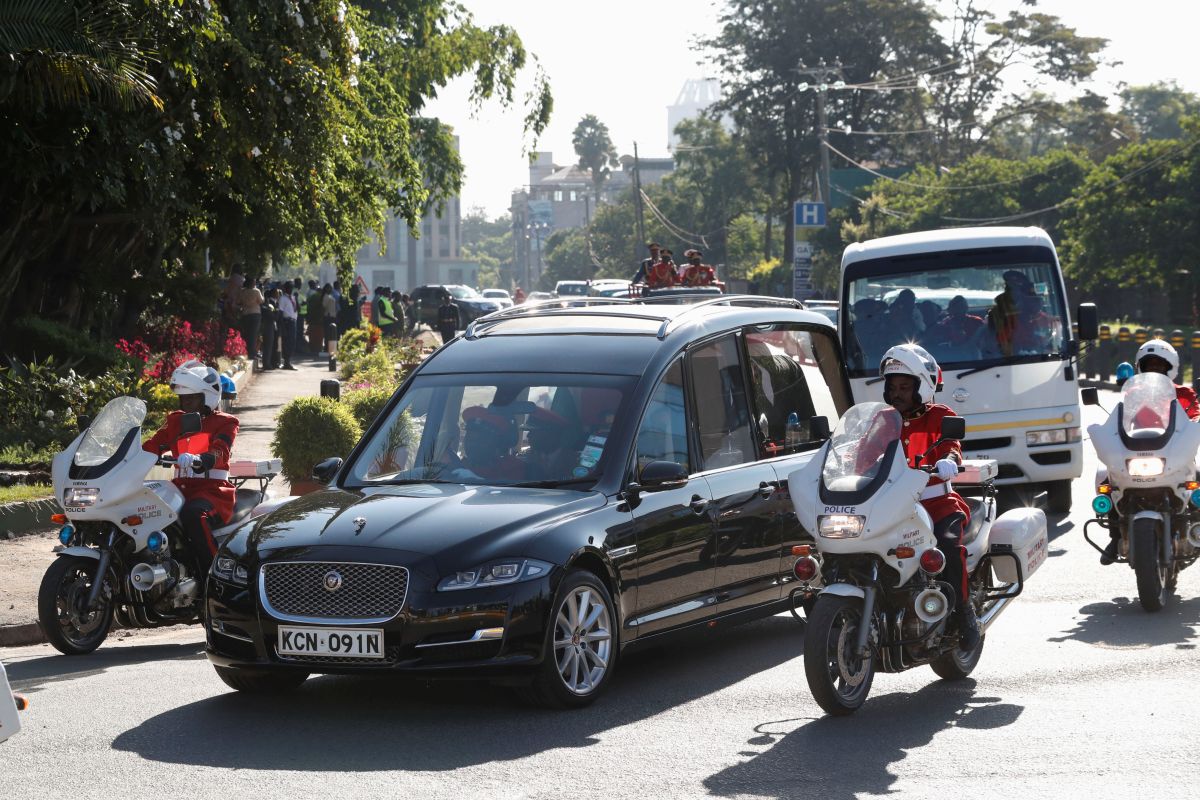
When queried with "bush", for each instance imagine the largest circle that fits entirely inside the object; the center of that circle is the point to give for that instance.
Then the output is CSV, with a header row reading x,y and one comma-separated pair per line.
x,y
366,403
37,339
374,369
309,430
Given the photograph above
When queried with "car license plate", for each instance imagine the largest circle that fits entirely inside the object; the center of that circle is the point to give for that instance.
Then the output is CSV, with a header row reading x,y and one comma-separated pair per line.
x,y
353,642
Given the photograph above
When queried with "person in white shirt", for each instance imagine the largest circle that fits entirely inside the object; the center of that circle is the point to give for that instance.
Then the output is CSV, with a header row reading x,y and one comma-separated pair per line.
x,y
289,311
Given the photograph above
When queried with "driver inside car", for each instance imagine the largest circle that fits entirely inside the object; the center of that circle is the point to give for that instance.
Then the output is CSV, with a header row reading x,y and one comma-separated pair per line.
x,y
202,476
488,440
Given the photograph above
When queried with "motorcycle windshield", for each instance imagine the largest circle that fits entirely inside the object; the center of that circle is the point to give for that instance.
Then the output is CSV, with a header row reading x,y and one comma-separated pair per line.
x,y
106,433
1146,402
857,447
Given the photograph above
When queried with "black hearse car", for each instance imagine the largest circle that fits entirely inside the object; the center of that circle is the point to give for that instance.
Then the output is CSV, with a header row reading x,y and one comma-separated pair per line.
x,y
551,488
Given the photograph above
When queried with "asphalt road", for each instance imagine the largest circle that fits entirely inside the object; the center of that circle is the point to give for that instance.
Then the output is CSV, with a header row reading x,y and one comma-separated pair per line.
x,y
1079,694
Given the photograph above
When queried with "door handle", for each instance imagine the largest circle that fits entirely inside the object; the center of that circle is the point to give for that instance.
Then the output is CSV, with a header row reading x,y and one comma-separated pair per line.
x,y
765,490
698,504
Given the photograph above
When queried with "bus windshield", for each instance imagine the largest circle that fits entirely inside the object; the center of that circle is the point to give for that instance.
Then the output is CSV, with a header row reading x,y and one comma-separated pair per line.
x,y
965,316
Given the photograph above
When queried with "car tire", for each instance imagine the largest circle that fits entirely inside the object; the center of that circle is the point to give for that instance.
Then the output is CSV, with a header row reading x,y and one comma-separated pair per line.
x,y
252,681
580,646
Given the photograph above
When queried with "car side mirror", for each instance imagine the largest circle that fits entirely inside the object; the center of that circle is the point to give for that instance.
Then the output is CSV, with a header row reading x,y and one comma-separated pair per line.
x,y
190,423
1089,321
326,470
659,475
1090,396
818,428
954,428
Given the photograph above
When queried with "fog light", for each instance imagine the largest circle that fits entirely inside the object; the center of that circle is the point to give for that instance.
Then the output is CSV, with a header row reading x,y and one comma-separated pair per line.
x,y
1102,503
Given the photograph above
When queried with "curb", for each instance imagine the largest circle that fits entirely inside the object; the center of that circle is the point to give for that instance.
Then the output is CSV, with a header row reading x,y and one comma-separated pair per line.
x,y
21,635
26,517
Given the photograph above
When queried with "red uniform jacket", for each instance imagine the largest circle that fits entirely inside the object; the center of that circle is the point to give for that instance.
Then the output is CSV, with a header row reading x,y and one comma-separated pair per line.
x,y
1186,396
661,275
220,429
698,275
920,432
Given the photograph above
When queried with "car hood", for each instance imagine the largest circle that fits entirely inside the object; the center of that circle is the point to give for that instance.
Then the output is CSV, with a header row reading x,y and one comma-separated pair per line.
x,y
448,521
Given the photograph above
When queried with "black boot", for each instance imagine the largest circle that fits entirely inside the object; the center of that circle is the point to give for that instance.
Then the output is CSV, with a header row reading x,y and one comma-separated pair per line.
x,y
968,626
1109,556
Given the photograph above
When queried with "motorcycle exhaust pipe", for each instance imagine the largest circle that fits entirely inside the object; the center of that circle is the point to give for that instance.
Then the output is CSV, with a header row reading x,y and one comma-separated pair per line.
x,y
991,612
931,606
146,576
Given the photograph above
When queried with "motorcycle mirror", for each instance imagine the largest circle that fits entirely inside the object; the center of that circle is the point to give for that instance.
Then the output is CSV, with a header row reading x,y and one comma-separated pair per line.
x,y
818,428
190,423
327,469
954,428
84,421
1090,396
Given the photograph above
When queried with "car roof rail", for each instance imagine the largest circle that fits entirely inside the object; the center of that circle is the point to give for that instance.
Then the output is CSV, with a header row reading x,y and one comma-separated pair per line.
x,y
550,308
745,300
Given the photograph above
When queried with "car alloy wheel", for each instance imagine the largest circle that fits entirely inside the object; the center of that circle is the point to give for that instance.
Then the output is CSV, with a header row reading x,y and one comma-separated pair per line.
x,y
582,640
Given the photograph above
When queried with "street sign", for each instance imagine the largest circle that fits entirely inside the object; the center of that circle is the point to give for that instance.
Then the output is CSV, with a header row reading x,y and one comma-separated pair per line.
x,y
802,271
809,215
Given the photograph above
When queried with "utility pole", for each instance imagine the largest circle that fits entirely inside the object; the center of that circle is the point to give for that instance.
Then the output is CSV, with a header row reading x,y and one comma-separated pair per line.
x,y
637,194
822,74
823,140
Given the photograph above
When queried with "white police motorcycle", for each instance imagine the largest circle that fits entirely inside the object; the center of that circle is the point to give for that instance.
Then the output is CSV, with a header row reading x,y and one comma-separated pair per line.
x,y
1147,493
882,605
123,554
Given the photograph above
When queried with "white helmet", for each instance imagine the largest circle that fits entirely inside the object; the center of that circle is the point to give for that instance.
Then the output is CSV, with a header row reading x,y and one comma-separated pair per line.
x,y
193,377
1162,349
911,359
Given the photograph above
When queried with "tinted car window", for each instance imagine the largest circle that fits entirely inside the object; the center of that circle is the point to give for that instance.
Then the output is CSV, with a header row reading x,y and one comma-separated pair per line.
x,y
663,432
722,410
790,369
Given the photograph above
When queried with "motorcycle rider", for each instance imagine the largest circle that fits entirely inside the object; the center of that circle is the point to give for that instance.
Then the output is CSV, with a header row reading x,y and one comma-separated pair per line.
x,y
911,377
1158,356
202,477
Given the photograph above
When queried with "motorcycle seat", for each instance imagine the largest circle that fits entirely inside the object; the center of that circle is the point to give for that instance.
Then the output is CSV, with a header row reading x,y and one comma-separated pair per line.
x,y
977,516
247,499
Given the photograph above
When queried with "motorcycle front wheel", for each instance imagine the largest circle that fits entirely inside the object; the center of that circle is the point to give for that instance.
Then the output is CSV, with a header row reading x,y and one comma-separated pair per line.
x,y
838,677
69,627
1151,576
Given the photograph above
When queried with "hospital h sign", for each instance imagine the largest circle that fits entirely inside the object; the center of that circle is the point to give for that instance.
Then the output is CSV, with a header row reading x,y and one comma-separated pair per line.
x,y
809,215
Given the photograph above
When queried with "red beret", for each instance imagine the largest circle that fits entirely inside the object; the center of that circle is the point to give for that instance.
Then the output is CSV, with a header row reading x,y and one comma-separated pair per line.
x,y
478,416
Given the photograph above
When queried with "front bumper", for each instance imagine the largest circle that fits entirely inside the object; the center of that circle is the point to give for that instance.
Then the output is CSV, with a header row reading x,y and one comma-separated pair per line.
x,y
432,634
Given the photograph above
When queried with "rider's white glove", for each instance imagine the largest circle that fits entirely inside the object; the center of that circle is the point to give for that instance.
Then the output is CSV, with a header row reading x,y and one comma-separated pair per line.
x,y
185,461
945,468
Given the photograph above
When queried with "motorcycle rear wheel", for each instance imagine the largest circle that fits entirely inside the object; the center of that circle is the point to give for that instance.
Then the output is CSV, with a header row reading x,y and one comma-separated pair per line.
x,y
1151,576
958,663
837,677
65,587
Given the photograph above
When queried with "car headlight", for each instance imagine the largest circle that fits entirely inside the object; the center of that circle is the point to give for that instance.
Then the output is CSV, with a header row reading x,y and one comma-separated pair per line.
x,y
228,570
840,526
81,498
1056,436
1146,467
496,573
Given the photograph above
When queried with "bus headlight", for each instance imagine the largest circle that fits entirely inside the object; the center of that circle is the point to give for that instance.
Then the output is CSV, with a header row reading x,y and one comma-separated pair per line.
x,y
1056,436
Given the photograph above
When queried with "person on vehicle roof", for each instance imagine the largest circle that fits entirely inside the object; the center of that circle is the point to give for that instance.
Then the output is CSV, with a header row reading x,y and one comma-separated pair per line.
x,y
647,263
201,458
696,273
911,377
662,275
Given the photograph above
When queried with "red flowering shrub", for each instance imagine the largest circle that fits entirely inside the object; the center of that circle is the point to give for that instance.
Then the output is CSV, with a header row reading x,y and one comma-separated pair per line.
x,y
167,342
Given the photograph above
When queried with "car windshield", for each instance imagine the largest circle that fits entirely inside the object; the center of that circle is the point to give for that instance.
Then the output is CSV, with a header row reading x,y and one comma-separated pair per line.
x,y
502,429
571,288
495,293
964,316
857,447
1146,402
463,293
106,433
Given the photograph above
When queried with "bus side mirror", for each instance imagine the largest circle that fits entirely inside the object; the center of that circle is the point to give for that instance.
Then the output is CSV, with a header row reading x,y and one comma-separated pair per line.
x,y
954,428
1090,396
1089,321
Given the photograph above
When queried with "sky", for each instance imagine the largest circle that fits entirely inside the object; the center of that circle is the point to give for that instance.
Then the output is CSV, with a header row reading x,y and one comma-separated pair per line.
x,y
626,60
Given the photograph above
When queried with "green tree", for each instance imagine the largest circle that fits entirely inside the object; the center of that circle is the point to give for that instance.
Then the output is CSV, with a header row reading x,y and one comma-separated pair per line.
x,y
490,242
595,150
1157,109
566,258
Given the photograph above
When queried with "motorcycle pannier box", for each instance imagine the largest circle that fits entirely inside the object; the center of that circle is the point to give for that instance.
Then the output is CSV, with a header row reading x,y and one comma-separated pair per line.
x,y
1021,531
255,469
976,470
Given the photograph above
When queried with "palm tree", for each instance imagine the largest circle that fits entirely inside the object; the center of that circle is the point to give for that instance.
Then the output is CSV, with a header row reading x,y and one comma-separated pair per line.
x,y
595,150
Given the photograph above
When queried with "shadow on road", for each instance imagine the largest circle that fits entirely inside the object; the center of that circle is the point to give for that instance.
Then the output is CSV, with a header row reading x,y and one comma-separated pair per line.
x,y
1122,623
383,723
847,757
30,676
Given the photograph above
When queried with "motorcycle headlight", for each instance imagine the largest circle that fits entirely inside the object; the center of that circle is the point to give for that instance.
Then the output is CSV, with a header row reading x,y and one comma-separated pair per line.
x,y
228,570
840,526
1146,467
496,573
81,498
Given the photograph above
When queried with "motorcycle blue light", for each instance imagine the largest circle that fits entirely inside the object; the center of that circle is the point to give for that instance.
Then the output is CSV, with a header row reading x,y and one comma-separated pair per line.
x,y
66,534
1102,504
1125,371
1196,497
154,541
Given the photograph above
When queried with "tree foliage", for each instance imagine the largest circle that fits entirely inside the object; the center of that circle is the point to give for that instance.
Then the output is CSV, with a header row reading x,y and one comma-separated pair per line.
x,y
596,152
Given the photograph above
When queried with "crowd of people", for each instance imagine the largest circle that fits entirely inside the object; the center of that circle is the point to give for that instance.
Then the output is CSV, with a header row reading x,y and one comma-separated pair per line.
x,y
393,312
659,270
283,320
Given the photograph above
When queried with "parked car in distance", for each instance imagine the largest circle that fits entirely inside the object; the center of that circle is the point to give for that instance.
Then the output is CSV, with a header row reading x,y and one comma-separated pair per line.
x,y
571,289
549,490
501,296
826,308
471,304
607,287
538,297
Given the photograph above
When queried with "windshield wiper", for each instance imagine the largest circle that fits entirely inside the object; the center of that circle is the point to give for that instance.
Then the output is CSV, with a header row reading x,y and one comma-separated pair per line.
x,y
1010,360
551,484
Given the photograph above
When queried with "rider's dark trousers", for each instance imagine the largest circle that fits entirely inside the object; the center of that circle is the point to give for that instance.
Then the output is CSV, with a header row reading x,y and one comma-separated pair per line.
x,y
949,534
198,520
